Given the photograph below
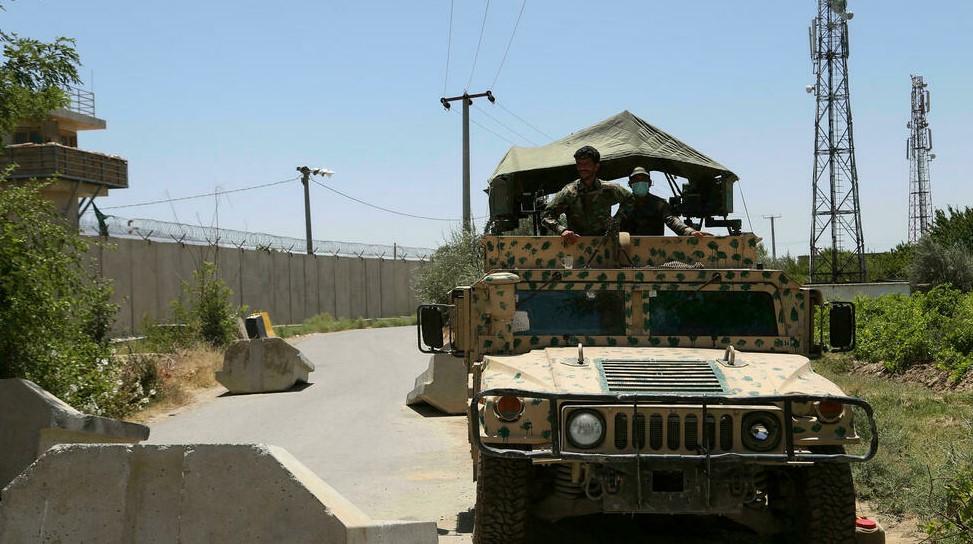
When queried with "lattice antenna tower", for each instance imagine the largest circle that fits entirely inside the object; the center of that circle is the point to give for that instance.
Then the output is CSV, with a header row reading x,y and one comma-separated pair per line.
x,y
918,151
837,246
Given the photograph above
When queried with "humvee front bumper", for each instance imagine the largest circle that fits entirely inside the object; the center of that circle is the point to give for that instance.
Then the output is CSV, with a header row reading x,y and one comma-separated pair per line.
x,y
789,450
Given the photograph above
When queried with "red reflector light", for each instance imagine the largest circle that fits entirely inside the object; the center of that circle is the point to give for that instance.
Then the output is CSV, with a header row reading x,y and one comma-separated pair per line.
x,y
508,408
830,410
865,523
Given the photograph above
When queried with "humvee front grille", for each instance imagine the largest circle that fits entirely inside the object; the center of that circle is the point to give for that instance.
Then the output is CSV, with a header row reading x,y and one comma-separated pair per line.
x,y
660,430
654,376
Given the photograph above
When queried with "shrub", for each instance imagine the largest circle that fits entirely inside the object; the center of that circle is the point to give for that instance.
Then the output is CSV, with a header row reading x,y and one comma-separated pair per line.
x,y
935,263
203,312
457,262
54,312
892,330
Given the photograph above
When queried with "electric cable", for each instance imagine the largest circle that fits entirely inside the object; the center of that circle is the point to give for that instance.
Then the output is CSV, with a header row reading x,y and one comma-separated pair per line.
x,y
201,195
524,121
449,46
476,53
744,198
509,43
504,125
387,210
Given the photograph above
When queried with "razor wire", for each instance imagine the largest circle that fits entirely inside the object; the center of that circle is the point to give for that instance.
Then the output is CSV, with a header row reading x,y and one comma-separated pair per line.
x,y
165,231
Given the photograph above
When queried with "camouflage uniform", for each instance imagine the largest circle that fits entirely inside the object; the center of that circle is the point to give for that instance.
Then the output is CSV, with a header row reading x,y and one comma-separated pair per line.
x,y
645,217
588,209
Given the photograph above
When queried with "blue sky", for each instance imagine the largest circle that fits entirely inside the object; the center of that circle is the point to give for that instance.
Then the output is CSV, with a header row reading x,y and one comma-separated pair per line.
x,y
221,93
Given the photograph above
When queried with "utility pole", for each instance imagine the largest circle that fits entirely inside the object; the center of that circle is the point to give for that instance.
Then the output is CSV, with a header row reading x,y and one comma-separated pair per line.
x,y
305,179
467,102
773,236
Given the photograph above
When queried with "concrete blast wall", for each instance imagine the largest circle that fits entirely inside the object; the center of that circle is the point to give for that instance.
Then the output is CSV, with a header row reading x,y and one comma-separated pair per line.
x,y
293,287
186,493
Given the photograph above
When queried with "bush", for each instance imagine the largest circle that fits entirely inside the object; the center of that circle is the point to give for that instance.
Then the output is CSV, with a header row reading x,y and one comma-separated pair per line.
x,y
55,314
203,312
935,264
901,331
457,262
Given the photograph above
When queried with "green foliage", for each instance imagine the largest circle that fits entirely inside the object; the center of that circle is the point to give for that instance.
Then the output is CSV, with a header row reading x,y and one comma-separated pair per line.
x,y
935,263
54,312
326,323
900,331
32,75
890,265
953,226
924,466
203,312
457,262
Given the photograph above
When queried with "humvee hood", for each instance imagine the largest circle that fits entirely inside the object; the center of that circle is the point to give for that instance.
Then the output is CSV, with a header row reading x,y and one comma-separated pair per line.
x,y
556,370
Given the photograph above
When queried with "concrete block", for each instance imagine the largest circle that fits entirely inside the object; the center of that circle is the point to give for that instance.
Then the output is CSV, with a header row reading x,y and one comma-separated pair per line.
x,y
32,420
263,365
443,385
186,493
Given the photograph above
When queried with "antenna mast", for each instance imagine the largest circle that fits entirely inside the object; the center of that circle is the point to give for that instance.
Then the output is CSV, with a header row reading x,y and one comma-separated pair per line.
x,y
918,148
837,245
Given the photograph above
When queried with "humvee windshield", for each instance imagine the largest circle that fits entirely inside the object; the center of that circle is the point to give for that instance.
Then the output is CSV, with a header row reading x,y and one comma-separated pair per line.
x,y
712,313
670,313
576,313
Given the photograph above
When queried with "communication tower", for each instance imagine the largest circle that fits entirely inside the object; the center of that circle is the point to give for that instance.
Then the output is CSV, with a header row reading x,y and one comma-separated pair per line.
x,y
837,245
917,150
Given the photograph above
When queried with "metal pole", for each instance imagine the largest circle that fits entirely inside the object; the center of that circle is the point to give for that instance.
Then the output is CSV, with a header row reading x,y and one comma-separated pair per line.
x,y
773,236
467,99
305,179
467,223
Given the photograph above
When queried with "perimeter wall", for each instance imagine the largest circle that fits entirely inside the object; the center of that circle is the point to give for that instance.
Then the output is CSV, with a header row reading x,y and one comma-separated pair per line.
x,y
147,276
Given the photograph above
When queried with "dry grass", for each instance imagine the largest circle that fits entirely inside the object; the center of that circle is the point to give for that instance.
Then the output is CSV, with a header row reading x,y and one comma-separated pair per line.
x,y
180,378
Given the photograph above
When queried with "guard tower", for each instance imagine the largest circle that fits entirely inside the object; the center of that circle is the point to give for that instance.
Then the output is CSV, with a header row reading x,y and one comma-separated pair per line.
x,y
47,148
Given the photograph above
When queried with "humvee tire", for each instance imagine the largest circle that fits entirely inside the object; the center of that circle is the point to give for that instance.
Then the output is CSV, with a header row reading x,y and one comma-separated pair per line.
x,y
824,512
502,487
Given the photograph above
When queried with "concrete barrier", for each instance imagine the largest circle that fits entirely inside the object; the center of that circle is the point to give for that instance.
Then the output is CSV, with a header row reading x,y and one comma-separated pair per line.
x,y
848,291
32,420
443,385
263,365
186,493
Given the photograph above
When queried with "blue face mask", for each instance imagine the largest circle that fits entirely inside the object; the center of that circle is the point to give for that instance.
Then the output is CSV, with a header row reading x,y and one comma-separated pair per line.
x,y
640,188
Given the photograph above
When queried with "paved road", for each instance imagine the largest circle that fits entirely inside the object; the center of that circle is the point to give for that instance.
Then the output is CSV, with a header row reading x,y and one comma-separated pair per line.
x,y
351,427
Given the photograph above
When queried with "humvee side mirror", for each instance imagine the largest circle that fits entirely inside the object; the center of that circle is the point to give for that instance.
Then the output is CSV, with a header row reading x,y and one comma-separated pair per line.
x,y
841,326
430,322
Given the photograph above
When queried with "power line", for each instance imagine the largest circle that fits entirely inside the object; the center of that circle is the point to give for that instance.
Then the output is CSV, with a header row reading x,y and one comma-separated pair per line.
x,y
491,131
504,125
524,121
377,207
744,198
476,54
201,195
449,45
509,43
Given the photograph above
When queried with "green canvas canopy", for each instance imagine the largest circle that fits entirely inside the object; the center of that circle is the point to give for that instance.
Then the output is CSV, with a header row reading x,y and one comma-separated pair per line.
x,y
624,141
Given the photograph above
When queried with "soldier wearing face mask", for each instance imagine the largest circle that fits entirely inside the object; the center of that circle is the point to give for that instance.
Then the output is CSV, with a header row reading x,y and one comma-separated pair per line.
x,y
645,214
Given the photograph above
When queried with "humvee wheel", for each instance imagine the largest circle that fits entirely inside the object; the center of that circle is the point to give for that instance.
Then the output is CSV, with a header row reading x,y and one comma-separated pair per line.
x,y
824,512
502,487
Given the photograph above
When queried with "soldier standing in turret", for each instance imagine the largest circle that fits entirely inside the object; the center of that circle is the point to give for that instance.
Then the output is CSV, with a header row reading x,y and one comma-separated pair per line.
x,y
586,201
645,214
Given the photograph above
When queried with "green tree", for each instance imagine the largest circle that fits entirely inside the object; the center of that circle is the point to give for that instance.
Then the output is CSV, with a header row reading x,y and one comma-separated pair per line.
x,y
54,312
952,227
457,262
32,77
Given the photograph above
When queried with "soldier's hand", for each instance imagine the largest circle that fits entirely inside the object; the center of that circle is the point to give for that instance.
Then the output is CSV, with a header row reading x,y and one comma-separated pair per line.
x,y
569,237
700,234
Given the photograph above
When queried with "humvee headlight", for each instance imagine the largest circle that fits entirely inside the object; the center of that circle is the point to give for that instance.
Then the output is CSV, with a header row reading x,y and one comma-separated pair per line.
x,y
761,431
829,411
508,408
586,429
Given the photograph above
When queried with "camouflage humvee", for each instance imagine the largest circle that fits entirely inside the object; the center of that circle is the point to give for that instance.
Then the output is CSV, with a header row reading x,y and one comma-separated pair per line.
x,y
650,375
